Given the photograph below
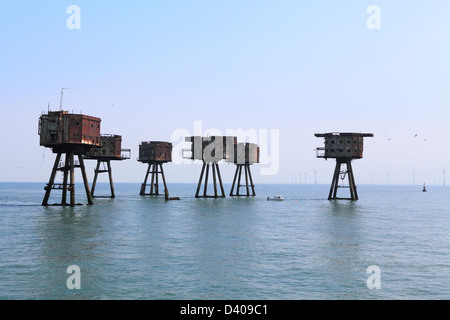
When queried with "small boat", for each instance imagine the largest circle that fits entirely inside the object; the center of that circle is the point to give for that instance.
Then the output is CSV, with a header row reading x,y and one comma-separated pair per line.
x,y
275,198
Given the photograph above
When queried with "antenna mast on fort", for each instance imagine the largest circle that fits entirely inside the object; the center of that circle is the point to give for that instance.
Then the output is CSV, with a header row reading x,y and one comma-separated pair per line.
x,y
61,99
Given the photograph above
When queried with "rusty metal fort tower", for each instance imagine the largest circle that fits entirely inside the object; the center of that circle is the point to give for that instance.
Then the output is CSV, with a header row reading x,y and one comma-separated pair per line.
x,y
344,147
70,135
245,155
155,154
111,150
210,150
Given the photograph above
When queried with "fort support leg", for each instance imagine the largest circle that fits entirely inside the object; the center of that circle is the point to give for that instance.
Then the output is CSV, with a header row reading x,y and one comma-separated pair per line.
x,y
214,179
351,179
152,179
215,176
246,179
220,180
65,173
156,168
49,186
206,181
166,191
68,180
239,180
85,181
350,182
111,183
251,181
334,183
95,177
144,185
72,180
234,181
200,180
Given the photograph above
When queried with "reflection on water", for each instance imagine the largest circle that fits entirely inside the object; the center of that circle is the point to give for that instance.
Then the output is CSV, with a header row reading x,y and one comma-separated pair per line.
x,y
343,244
69,236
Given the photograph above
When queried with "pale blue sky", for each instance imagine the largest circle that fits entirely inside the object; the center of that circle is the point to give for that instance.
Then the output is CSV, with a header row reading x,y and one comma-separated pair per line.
x,y
148,68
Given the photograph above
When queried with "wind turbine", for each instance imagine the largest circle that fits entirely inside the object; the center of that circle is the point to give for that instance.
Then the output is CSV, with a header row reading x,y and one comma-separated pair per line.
x,y
443,170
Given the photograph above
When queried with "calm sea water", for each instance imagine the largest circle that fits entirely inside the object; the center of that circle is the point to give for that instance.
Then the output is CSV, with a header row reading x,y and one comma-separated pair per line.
x,y
305,247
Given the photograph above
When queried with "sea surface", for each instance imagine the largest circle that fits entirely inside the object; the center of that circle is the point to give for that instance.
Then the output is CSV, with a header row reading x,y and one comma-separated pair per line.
x,y
305,247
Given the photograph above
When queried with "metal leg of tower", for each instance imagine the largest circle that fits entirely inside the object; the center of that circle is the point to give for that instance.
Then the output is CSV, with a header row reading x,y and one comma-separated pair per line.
x,y
239,180
220,180
206,181
251,181
215,176
152,179
246,179
72,180
166,191
234,181
65,174
49,186
200,180
334,183
111,183
351,178
144,185
214,179
85,180
94,182
156,179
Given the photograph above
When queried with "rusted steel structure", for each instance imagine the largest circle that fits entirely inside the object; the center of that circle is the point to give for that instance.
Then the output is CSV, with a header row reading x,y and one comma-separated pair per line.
x,y
344,147
210,150
245,155
155,154
111,150
70,135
